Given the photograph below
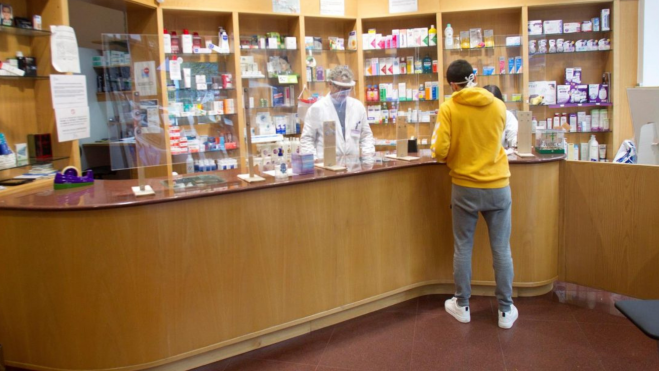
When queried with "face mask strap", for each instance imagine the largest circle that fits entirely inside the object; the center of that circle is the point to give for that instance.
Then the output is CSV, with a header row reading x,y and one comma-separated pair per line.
x,y
469,81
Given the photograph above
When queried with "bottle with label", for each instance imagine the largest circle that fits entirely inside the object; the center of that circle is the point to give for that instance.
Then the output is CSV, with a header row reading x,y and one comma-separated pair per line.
x,y
175,43
422,92
448,37
20,59
186,42
563,120
189,165
196,41
385,113
167,42
427,64
281,172
418,66
432,36
224,41
534,124
593,149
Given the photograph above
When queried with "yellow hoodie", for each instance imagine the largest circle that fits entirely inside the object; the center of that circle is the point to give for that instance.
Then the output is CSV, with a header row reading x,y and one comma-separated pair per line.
x,y
468,139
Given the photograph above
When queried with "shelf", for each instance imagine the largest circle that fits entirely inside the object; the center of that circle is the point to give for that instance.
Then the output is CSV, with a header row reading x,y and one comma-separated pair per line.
x,y
270,107
563,35
23,31
498,74
184,55
330,51
24,77
588,132
202,152
267,50
271,138
195,90
569,53
570,105
483,48
434,47
403,101
406,74
32,162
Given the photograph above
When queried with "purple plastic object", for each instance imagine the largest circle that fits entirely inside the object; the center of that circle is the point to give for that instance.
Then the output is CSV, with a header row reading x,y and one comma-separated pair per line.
x,y
70,179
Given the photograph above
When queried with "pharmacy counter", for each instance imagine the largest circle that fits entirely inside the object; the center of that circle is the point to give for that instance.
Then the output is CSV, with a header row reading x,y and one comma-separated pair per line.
x,y
93,278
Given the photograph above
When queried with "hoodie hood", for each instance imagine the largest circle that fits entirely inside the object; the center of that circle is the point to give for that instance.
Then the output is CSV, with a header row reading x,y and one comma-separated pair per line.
x,y
476,97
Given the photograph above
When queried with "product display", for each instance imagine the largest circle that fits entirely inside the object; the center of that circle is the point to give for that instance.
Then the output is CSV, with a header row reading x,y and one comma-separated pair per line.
x,y
400,38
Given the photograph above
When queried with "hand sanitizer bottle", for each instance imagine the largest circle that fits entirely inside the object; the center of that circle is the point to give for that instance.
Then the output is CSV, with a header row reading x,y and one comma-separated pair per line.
x,y
593,149
224,41
448,37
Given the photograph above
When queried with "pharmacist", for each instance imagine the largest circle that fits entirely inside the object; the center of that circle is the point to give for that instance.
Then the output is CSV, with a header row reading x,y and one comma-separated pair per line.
x,y
352,131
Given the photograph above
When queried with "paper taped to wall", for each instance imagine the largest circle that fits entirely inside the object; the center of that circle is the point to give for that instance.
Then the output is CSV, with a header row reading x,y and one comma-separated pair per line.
x,y
64,49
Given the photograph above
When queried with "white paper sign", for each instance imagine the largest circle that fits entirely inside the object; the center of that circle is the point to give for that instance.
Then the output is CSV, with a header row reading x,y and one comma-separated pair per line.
x,y
403,6
68,91
72,123
145,78
175,69
286,6
332,7
64,49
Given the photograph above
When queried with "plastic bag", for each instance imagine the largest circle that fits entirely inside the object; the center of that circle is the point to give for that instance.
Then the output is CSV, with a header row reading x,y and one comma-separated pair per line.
x,y
627,153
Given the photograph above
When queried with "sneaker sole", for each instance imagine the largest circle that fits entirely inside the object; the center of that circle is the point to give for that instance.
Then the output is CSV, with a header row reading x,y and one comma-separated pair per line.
x,y
461,320
506,327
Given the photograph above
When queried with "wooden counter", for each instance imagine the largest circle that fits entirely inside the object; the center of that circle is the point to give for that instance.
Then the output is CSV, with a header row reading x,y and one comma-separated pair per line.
x,y
191,277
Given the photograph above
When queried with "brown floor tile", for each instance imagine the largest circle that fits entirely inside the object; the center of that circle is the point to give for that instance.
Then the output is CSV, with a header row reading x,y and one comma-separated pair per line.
x,y
378,342
408,306
547,345
216,366
622,346
265,365
540,309
305,349
599,314
442,343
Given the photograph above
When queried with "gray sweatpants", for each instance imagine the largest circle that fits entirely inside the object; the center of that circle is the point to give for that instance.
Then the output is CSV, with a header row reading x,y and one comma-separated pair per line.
x,y
495,205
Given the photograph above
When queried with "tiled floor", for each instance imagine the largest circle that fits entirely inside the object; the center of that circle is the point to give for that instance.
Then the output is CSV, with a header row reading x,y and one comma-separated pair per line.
x,y
572,328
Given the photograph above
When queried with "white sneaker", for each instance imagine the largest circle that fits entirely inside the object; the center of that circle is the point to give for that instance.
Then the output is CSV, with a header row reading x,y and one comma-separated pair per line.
x,y
507,319
460,313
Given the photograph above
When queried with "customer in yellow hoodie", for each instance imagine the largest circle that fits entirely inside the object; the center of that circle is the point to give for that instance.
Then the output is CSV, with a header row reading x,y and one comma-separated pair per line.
x,y
468,139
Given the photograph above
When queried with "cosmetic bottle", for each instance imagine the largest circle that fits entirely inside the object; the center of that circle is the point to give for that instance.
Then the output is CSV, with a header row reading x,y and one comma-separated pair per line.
x,y
432,36
427,64
224,41
189,165
21,60
448,37
186,42
281,172
167,42
196,40
593,149
175,42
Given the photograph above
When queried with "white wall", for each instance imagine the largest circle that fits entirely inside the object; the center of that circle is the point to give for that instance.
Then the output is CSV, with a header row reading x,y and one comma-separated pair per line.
x,y
648,43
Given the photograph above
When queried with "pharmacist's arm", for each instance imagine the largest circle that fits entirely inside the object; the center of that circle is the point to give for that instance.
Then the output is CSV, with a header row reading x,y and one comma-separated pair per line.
x,y
310,132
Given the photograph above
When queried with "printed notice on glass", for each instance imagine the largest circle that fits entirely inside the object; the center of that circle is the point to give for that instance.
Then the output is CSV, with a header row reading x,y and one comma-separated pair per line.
x,y
332,7
68,91
175,68
403,6
64,49
72,123
145,78
286,6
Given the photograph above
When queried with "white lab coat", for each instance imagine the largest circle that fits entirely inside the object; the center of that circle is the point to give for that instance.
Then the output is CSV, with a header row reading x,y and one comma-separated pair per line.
x,y
509,139
358,132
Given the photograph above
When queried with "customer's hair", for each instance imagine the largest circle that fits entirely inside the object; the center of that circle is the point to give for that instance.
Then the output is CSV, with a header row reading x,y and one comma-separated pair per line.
x,y
458,71
494,90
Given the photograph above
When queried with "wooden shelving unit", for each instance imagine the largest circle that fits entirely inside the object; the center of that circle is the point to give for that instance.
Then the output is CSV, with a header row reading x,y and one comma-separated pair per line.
x,y
25,101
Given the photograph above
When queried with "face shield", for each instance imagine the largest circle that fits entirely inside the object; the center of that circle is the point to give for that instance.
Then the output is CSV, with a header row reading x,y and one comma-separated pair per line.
x,y
340,91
